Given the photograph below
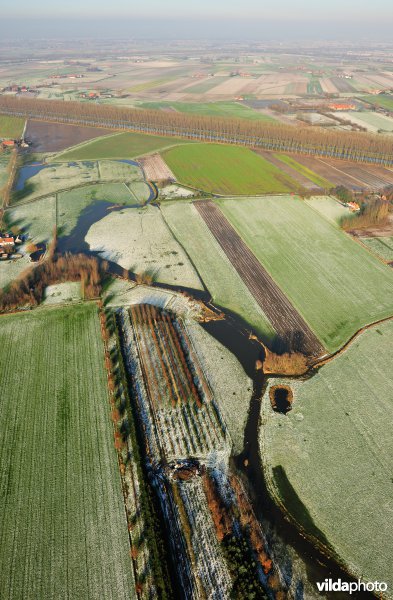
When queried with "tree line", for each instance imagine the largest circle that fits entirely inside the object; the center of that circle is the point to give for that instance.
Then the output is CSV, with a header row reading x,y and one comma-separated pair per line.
x,y
29,289
375,209
316,141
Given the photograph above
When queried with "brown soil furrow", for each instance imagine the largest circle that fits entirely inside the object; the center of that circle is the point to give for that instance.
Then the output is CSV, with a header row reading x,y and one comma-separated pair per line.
x,y
333,174
306,183
156,169
276,306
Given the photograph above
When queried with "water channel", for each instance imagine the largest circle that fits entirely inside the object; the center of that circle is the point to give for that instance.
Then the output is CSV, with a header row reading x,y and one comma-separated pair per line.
x,y
230,332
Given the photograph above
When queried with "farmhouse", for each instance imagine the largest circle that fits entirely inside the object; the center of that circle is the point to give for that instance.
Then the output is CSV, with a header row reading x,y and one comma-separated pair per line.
x,y
341,106
7,244
8,143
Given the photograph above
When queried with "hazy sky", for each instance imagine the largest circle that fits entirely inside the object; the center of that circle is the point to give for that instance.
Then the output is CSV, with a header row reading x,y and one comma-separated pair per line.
x,y
281,20
287,9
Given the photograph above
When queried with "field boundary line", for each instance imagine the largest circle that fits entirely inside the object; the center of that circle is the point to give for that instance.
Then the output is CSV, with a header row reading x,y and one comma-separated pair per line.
x,y
321,362
342,172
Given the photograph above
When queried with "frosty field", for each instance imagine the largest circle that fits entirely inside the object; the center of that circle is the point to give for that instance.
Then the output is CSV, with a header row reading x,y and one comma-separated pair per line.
x,y
334,283
221,279
63,529
329,460
143,243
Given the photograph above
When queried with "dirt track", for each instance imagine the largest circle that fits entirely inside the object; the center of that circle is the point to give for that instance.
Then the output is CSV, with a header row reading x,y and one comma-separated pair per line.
x,y
276,306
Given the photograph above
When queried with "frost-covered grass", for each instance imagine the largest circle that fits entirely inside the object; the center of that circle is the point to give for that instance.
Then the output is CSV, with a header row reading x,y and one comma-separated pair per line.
x,y
329,207
219,276
37,218
64,530
140,240
115,169
70,204
57,177
382,246
4,160
64,175
370,120
334,283
232,389
58,293
11,269
329,461
175,191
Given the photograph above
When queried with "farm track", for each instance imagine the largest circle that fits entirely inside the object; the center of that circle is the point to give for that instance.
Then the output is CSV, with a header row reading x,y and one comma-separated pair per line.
x,y
273,302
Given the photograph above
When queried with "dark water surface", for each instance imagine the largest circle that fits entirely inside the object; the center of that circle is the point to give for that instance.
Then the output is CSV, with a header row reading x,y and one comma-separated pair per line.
x,y
233,335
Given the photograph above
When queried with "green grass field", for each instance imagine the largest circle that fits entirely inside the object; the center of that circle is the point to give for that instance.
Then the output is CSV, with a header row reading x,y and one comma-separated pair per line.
x,y
63,529
319,181
149,85
201,87
334,283
121,145
383,100
4,160
11,127
221,279
217,109
226,170
329,461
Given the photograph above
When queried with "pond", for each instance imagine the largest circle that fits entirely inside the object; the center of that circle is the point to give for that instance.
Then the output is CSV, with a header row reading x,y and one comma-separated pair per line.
x,y
26,172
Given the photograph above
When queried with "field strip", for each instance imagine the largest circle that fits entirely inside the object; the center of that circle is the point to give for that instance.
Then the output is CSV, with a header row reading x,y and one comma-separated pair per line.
x,y
291,171
72,188
57,155
342,172
280,312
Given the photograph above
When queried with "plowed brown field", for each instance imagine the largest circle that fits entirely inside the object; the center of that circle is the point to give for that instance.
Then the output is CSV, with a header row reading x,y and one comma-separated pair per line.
x,y
276,306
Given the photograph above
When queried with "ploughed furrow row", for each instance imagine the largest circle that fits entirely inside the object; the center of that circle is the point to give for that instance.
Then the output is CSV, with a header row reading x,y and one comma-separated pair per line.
x,y
273,302
299,177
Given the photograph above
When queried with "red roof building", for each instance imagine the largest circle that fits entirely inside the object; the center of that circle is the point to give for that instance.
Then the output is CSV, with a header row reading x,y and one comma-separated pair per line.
x,y
341,106
7,241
